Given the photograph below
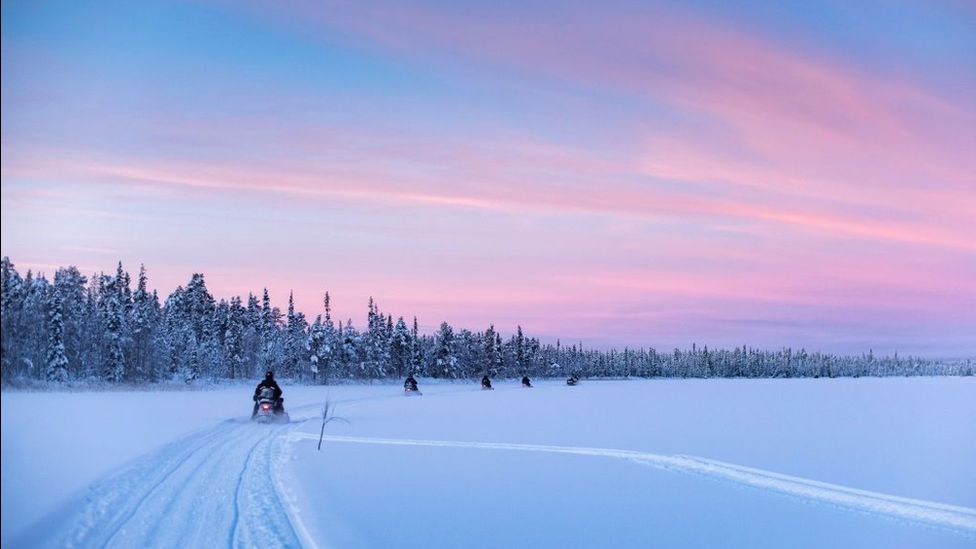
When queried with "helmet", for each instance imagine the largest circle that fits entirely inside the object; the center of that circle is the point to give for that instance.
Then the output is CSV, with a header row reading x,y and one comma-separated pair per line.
x,y
269,374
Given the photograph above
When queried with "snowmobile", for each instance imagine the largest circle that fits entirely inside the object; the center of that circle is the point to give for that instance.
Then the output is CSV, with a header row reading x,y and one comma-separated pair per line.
x,y
526,384
411,389
572,381
486,385
270,410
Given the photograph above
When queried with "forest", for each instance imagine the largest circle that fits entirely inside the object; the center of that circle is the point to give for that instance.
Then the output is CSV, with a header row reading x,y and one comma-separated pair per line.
x,y
100,328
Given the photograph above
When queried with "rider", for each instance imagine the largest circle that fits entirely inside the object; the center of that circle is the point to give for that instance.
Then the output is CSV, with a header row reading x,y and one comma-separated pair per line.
x,y
270,383
526,382
485,382
410,384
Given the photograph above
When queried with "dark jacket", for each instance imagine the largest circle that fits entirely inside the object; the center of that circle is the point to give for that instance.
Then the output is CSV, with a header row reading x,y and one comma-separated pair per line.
x,y
268,383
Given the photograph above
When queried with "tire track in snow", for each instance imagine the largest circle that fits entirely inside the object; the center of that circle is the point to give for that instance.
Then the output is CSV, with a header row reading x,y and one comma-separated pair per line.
x,y
952,517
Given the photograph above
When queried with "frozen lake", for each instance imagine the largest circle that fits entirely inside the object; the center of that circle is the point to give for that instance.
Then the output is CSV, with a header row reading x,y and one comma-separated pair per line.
x,y
673,463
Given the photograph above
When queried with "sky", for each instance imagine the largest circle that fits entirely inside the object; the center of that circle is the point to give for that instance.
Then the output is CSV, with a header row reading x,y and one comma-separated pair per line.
x,y
771,174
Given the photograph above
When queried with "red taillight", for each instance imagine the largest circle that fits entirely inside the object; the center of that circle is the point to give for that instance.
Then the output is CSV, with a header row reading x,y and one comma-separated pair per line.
x,y
265,406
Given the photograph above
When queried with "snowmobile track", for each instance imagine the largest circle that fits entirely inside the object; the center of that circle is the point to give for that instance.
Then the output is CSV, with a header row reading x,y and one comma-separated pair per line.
x,y
213,488
956,518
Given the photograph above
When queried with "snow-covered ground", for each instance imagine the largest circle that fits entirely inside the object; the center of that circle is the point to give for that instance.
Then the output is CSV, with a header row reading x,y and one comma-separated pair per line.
x,y
670,463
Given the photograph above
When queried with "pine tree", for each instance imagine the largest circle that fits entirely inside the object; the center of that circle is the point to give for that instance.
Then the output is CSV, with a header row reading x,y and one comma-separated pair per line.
x,y
328,309
57,362
328,348
32,326
69,284
490,359
417,354
377,344
144,320
233,347
123,283
444,356
115,370
352,358
190,370
11,306
271,356
499,353
267,317
520,352
319,350
400,347
295,336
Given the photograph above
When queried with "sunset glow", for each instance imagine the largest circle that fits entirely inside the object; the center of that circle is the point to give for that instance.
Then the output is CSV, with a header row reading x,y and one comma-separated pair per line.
x,y
649,174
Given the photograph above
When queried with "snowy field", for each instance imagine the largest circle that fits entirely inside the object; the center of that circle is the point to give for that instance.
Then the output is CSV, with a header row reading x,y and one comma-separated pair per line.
x,y
659,463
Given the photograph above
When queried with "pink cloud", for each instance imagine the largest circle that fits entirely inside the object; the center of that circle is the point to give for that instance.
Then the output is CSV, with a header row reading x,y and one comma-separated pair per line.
x,y
799,124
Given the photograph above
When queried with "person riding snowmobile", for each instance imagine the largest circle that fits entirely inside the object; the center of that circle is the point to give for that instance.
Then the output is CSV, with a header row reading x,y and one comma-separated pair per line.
x,y
573,380
526,382
268,383
410,384
485,382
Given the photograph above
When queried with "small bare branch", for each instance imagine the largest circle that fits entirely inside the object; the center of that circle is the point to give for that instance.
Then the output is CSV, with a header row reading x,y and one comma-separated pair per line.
x,y
328,416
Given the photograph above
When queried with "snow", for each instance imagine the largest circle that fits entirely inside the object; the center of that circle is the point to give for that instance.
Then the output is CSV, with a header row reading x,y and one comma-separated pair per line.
x,y
806,463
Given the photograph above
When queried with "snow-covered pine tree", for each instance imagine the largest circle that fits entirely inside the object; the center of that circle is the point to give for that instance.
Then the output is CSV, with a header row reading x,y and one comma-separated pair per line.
x,y
323,345
520,364
123,285
198,307
115,367
469,353
489,345
314,345
445,359
327,344
252,336
33,328
295,335
376,341
272,350
499,353
352,356
416,351
400,347
190,369
57,361
267,316
91,332
11,307
69,284
233,348
144,323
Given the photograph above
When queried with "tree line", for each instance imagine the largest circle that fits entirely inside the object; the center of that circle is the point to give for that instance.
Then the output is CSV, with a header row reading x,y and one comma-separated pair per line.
x,y
101,329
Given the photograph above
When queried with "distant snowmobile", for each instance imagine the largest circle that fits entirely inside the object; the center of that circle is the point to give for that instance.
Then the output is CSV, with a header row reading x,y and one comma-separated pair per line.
x,y
410,387
572,381
270,410
486,384
526,383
